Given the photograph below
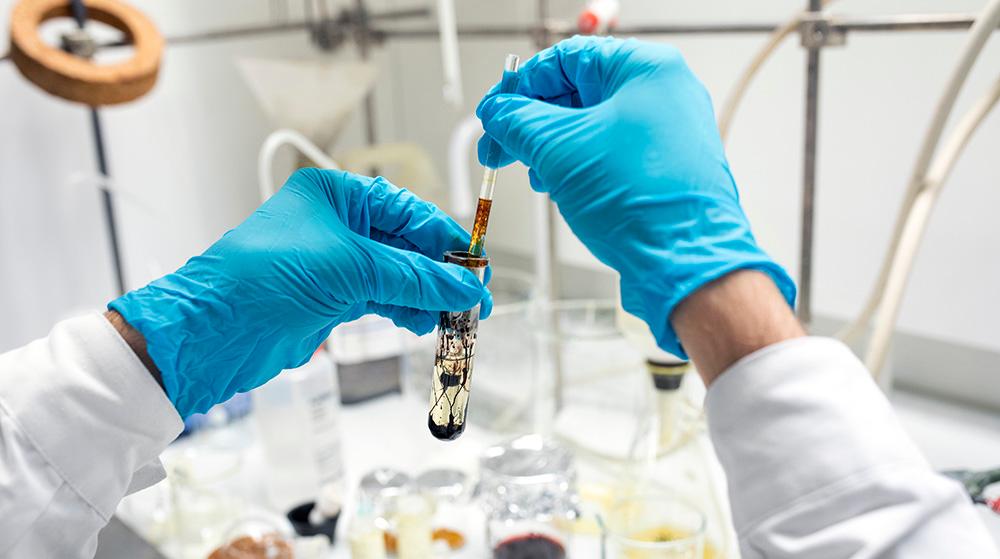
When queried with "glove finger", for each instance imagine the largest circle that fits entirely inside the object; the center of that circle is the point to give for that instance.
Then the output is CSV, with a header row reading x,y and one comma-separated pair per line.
x,y
525,127
486,306
417,321
570,73
398,213
536,181
483,147
396,242
408,279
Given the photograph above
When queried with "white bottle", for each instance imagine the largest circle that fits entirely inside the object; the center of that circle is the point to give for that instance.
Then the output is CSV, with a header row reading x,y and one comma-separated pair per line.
x,y
297,417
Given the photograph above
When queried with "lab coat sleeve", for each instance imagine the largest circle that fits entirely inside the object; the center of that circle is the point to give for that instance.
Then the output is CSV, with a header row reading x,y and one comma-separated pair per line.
x,y
819,467
81,424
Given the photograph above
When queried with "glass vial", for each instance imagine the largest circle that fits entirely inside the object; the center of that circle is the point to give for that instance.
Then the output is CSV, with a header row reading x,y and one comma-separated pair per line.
x,y
453,359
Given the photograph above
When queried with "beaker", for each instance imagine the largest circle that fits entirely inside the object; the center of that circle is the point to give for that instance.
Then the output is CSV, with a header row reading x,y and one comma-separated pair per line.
x,y
454,358
652,526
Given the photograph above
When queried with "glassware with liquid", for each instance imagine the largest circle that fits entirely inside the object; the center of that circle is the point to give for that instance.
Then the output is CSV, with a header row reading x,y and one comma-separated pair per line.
x,y
653,526
528,490
454,359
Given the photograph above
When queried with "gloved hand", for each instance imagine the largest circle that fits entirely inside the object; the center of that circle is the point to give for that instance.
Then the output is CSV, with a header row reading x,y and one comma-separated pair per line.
x,y
328,248
622,136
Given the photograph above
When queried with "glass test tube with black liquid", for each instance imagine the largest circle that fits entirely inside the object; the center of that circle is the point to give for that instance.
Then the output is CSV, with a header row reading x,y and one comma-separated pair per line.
x,y
454,358
457,331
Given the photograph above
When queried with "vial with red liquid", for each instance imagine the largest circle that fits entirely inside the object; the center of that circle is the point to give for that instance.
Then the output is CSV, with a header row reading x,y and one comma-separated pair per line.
x,y
528,492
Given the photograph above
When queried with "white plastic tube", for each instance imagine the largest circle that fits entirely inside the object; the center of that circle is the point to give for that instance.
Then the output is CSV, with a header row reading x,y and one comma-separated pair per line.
x,y
915,225
736,94
980,32
278,138
450,62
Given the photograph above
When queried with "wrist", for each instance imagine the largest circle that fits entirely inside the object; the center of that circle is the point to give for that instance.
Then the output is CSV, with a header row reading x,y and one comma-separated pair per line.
x,y
732,317
135,341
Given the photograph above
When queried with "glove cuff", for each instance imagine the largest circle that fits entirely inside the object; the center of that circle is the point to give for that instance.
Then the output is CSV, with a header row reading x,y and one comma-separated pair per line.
x,y
692,259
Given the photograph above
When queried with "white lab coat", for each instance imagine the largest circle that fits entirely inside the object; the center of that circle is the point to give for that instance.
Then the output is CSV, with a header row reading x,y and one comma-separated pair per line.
x,y
817,465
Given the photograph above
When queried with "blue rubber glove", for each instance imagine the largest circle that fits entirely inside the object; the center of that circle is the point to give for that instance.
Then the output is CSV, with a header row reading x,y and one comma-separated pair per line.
x,y
622,136
328,248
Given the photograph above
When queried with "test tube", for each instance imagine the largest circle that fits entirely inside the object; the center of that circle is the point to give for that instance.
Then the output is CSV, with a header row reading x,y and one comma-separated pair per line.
x,y
508,84
453,359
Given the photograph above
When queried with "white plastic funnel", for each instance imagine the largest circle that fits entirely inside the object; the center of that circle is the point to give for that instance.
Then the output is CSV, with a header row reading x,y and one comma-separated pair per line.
x,y
312,96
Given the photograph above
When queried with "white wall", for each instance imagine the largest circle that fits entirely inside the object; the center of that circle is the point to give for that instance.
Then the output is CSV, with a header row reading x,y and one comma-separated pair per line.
x,y
185,156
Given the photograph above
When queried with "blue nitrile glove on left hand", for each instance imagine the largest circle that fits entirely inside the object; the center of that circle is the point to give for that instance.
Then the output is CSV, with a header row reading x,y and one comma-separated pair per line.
x,y
622,136
328,248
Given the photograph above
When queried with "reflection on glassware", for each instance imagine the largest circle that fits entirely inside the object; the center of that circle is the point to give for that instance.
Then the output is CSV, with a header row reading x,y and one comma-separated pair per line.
x,y
527,488
653,526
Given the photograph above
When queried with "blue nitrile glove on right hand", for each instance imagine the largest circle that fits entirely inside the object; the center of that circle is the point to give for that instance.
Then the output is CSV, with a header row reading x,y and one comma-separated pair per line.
x,y
622,136
327,248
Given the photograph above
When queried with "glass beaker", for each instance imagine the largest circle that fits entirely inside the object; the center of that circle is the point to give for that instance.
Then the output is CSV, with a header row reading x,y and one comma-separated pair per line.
x,y
454,358
652,526
527,489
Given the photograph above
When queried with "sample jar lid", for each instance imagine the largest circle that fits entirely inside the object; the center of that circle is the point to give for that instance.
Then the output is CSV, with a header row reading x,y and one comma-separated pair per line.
x,y
443,483
384,483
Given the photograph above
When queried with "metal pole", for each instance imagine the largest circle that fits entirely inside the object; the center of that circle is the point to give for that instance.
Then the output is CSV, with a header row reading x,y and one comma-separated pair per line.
x,y
809,177
876,24
106,196
79,11
363,36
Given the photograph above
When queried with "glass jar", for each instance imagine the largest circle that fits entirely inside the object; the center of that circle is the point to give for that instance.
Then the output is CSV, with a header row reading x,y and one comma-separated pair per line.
x,y
527,489
447,492
653,526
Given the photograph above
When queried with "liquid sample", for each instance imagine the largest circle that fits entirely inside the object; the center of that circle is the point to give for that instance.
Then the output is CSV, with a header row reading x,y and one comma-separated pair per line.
x,y
453,364
667,533
529,546
479,227
454,359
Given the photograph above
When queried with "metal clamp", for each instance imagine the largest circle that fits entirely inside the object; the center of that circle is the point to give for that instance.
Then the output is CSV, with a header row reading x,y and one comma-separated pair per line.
x,y
815,31
79,43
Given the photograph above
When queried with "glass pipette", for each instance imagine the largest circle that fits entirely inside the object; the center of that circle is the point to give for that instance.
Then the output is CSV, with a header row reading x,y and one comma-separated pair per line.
x,y
508,84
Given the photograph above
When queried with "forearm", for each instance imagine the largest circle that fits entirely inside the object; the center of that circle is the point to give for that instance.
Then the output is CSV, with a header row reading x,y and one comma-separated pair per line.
x,y
732,317
135,342
816,462
81,425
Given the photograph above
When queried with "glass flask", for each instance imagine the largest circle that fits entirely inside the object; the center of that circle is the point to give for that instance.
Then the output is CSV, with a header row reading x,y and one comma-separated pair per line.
x,y
454,359
527,490
653,526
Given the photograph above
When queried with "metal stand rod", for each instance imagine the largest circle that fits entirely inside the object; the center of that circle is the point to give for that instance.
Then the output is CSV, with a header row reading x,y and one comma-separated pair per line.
x,y
108,200
364,50
809,177
79,11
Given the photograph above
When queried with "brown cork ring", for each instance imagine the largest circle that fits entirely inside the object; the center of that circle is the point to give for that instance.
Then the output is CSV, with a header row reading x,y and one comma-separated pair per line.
x,y
77,79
